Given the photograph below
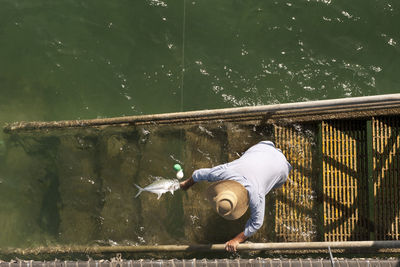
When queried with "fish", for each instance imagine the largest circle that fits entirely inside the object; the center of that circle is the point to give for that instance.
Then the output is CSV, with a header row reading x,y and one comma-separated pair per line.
x,y
160,187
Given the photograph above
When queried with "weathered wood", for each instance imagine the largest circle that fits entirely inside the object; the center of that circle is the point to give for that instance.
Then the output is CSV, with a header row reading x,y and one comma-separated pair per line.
x,y
303,111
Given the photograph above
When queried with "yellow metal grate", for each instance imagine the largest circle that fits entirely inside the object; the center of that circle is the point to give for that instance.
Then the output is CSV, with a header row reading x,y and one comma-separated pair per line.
x,y
294,219
386,175
345,187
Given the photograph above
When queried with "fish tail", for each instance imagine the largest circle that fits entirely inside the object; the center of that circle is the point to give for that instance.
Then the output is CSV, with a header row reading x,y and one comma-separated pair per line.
x,y
140,190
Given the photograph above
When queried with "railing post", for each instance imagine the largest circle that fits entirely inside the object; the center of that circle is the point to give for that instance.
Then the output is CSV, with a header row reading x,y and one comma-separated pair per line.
x,y
320,184
371,196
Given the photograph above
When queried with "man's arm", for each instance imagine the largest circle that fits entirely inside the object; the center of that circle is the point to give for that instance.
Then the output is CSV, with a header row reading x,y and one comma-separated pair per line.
x,y
232,244
205,174
187,183
252,225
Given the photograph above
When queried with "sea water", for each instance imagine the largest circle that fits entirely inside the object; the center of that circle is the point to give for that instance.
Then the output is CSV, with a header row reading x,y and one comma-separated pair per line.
x,y
83,60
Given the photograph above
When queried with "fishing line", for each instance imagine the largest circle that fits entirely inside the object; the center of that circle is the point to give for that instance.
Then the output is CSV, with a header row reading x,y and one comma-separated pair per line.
x,y
183,53
182,131
183,62
331,257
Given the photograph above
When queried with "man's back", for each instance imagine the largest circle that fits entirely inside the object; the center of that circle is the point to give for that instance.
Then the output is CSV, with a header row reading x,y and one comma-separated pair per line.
x,y
264,166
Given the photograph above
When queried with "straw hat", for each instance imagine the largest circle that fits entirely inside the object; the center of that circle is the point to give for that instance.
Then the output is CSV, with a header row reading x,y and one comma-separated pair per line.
x,y
228,198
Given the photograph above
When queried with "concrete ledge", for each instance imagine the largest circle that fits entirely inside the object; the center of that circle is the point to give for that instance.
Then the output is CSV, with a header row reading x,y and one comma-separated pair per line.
x,y
354,107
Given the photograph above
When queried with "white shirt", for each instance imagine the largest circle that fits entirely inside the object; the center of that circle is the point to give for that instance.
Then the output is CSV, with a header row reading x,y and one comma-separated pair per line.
x,y
261,168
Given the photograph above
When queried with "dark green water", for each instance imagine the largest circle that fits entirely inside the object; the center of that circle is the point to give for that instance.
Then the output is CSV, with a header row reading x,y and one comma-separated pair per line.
x,y
90,59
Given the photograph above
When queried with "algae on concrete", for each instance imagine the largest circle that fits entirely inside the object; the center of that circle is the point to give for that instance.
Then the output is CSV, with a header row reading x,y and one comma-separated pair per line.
x,y
79,188
27,182
119,156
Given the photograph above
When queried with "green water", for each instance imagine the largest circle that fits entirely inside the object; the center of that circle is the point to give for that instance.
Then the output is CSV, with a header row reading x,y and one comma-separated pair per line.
x,y
88,59
93,59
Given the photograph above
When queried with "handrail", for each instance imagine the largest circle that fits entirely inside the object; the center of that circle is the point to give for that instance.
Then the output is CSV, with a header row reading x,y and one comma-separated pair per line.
x,y
391,244
390,102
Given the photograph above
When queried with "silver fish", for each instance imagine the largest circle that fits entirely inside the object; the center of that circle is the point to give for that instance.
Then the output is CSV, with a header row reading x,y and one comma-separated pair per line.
x,y
160,187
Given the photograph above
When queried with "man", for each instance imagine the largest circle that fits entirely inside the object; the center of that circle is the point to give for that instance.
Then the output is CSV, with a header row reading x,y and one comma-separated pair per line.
x,y
244,182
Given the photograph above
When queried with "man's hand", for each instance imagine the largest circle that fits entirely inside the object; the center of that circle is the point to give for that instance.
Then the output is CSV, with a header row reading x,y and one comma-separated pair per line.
x,y
232,244
187,183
